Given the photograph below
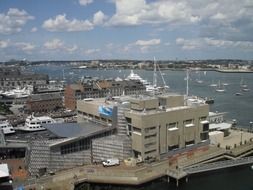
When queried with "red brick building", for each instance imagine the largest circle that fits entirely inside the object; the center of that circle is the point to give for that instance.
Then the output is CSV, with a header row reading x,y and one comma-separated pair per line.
x,y
44,102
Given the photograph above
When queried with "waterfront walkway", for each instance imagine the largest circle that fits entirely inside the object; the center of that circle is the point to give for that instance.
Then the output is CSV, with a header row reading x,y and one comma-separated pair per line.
x,y
179,166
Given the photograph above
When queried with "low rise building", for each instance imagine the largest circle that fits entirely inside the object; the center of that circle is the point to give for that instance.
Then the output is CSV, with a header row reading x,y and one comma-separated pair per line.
x,y
44,102
156,125
11,78
94,88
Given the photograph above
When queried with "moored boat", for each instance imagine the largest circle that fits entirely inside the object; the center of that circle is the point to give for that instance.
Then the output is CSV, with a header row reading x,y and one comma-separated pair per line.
x,y
33,123
6,127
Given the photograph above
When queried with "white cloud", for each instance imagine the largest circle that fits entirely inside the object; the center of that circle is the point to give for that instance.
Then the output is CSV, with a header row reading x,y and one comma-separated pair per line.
x,y
91,51
201,43
142,45
151,42
99,18
34,29
59,45
4,43
54,44
136,12
214,18
26,47
85,2
61,23
13,21
71,49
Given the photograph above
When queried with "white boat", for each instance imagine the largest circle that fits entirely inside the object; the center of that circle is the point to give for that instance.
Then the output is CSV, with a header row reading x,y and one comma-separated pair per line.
x,y
238,94
18,92
33,123
243,84
134,76
220,88
6,127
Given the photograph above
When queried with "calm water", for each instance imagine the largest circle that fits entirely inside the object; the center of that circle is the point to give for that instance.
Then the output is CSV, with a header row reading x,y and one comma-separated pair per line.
x,y
237,107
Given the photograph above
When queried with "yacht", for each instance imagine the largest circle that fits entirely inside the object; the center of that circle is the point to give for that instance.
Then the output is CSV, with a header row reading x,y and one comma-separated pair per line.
x,y
18,92
33,123
6,127
150,87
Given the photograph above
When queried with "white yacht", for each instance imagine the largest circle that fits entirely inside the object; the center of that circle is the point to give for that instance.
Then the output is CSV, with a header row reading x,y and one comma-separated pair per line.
x,y
6,127
18,92
33,123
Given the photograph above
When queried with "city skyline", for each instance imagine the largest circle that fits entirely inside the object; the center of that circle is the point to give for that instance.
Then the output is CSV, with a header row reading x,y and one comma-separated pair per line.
x,y
126,29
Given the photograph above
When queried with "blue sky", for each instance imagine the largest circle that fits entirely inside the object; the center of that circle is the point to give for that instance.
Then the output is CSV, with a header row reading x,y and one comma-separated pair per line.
x,y
126,29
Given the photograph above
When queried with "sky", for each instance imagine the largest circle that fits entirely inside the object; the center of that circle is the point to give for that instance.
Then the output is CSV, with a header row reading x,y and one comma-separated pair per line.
x,y
126,29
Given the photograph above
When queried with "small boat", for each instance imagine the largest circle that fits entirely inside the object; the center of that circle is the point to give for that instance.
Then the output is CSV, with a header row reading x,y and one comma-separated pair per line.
x,y
6,127
238,94
33,123
209,100
246,89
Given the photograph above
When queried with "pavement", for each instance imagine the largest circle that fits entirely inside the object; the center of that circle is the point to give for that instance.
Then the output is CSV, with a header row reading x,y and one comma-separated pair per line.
x,y
236,137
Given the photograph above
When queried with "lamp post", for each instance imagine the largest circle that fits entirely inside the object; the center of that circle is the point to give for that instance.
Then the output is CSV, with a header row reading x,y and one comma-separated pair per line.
x,y
241,137
250,125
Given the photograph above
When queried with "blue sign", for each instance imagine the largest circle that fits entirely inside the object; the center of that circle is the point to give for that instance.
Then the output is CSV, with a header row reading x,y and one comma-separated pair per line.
x,y
106,111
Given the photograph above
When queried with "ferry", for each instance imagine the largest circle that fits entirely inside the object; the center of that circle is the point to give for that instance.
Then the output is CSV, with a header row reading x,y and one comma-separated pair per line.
x,y
33,123
6,127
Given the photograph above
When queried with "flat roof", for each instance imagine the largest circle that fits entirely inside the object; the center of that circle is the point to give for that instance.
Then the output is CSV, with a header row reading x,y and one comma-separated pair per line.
x,y
70,130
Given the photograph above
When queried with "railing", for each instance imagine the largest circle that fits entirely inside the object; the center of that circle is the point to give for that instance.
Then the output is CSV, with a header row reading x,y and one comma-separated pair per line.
x,y
218,165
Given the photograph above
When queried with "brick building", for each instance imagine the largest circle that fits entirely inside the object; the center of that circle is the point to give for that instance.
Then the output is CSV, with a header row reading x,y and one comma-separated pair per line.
x,y
44,102
100,88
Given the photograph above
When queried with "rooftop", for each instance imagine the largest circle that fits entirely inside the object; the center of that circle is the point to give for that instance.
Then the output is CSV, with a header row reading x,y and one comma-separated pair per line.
x,y
70,130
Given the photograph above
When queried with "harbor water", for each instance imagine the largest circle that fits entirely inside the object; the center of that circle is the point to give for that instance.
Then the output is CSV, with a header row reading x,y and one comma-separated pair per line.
x,y
237,107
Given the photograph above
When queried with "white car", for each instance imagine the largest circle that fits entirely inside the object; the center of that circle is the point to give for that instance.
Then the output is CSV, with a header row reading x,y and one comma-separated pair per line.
x,y
111,162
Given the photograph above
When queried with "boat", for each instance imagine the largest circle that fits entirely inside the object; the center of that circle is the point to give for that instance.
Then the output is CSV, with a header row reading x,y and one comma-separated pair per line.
x,y
6,127
243,84
220,88
18,92
238,94
150,87
209,100
33,123
246,89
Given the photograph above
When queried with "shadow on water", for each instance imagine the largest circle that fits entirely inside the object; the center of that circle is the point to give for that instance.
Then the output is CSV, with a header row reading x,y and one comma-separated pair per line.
x,y
238,178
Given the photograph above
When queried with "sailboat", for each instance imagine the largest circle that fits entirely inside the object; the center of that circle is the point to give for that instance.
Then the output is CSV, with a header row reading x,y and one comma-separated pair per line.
x,y
220,88
244,86
213,84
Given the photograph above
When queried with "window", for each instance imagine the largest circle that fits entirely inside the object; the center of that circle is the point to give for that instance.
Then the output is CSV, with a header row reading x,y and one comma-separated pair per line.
x,y
135,129
150,151
173,147
150,144
172,126
206,127
204,136
150,136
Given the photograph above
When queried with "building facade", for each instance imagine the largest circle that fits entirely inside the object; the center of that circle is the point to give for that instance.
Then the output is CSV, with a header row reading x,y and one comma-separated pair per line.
x,y
155,125
12,77
93,88
44,102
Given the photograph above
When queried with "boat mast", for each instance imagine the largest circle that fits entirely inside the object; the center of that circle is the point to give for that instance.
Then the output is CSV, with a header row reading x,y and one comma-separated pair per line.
x,y
154,75
187,82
